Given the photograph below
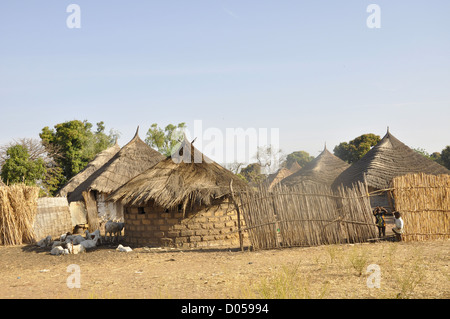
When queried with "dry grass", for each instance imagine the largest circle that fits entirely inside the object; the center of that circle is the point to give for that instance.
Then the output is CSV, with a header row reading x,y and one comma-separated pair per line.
x,y
18,208
408,270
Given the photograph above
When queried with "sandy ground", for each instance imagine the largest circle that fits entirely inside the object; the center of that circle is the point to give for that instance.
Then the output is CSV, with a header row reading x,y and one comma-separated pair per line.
x,y
407,270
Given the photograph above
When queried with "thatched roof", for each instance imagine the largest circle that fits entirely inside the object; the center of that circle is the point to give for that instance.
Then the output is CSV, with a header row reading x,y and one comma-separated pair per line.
x,y
323,169
386,160
282,173
186,177
101,159
133,159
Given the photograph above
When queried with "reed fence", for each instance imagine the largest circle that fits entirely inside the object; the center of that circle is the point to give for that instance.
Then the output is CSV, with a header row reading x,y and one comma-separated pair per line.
x,y
424,202
306,215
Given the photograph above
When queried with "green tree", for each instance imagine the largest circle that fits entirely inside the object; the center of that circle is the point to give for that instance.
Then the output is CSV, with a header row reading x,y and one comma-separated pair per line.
x,y
252,173
19,168
301,157
445,157
357,148
165,140
76,145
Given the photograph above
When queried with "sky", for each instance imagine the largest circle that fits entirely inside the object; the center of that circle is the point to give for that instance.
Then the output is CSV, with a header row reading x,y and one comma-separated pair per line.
x,y
308,72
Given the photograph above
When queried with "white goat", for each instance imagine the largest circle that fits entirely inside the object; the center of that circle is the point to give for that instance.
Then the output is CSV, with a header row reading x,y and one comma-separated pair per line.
x,y
91,243
113,228
58,250
124,249
76,249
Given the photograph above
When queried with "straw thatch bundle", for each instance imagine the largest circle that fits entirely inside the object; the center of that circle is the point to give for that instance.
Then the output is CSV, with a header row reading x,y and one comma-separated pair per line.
x,y
18,208
134,158
386,160
323,170
424,202
186,177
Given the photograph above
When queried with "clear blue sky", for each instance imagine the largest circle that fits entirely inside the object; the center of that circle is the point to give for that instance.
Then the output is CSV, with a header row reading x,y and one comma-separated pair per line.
x,y
313,69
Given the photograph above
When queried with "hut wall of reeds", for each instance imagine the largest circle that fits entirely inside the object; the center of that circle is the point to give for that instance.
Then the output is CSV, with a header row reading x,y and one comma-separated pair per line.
x,y
424,203
53,217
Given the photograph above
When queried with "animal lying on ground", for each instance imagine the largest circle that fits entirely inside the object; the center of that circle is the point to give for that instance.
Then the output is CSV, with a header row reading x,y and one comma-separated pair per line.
x,y
76,249
113,228
75,239
95,234
47,241
59,250
124,249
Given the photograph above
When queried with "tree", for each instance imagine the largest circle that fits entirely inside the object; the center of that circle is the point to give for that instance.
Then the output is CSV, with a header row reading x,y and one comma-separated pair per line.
x,y
252,173
165,141
20,168
268,159
76,145
445,157
36,150
301,157
357,148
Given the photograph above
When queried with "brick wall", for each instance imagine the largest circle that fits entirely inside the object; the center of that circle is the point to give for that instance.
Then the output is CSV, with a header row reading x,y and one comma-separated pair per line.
x,y
212,226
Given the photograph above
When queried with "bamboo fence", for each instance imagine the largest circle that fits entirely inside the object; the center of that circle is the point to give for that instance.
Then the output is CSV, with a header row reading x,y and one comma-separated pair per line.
x,y
18,209
306,215
424,203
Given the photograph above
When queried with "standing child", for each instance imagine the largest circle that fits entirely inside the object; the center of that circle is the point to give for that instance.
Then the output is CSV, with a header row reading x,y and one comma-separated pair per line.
x,y
398,229
379,213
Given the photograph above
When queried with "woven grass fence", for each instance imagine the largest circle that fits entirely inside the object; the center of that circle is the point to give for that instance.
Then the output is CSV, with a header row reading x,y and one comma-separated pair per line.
x,y
424,202
306,215
18,209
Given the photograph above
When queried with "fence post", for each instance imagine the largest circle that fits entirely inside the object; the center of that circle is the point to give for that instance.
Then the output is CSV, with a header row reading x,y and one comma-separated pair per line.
x,y
241,239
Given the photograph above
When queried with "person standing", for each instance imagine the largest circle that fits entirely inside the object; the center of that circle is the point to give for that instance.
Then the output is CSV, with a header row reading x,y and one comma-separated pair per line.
x,y
380,221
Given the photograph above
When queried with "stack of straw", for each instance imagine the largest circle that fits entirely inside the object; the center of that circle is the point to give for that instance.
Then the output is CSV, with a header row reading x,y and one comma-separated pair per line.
x,y
18,208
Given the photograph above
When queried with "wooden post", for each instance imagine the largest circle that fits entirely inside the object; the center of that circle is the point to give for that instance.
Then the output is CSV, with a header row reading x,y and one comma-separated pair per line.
x,y
241,239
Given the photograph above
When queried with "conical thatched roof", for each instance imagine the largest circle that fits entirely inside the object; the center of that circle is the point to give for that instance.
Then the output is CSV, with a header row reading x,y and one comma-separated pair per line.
x,y
323,169
133,159
186,177
386,160
101,159
281,174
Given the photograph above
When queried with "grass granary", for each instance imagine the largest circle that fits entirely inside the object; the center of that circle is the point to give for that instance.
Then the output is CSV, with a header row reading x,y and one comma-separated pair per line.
x,y
183,201
323,170
388,159
106,173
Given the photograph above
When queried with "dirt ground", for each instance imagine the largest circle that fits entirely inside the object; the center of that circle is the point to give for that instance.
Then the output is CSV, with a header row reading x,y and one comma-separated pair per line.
x,y
407,270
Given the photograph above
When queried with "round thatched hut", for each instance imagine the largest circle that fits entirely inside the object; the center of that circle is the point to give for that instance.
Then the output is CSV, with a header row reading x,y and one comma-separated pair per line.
x,y
386,160
323,170
183,201
107,172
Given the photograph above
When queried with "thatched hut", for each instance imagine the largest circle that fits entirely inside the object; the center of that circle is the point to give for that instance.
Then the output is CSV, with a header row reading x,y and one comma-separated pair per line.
x,y
323,170
183,201
95,183
386,160
282,173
